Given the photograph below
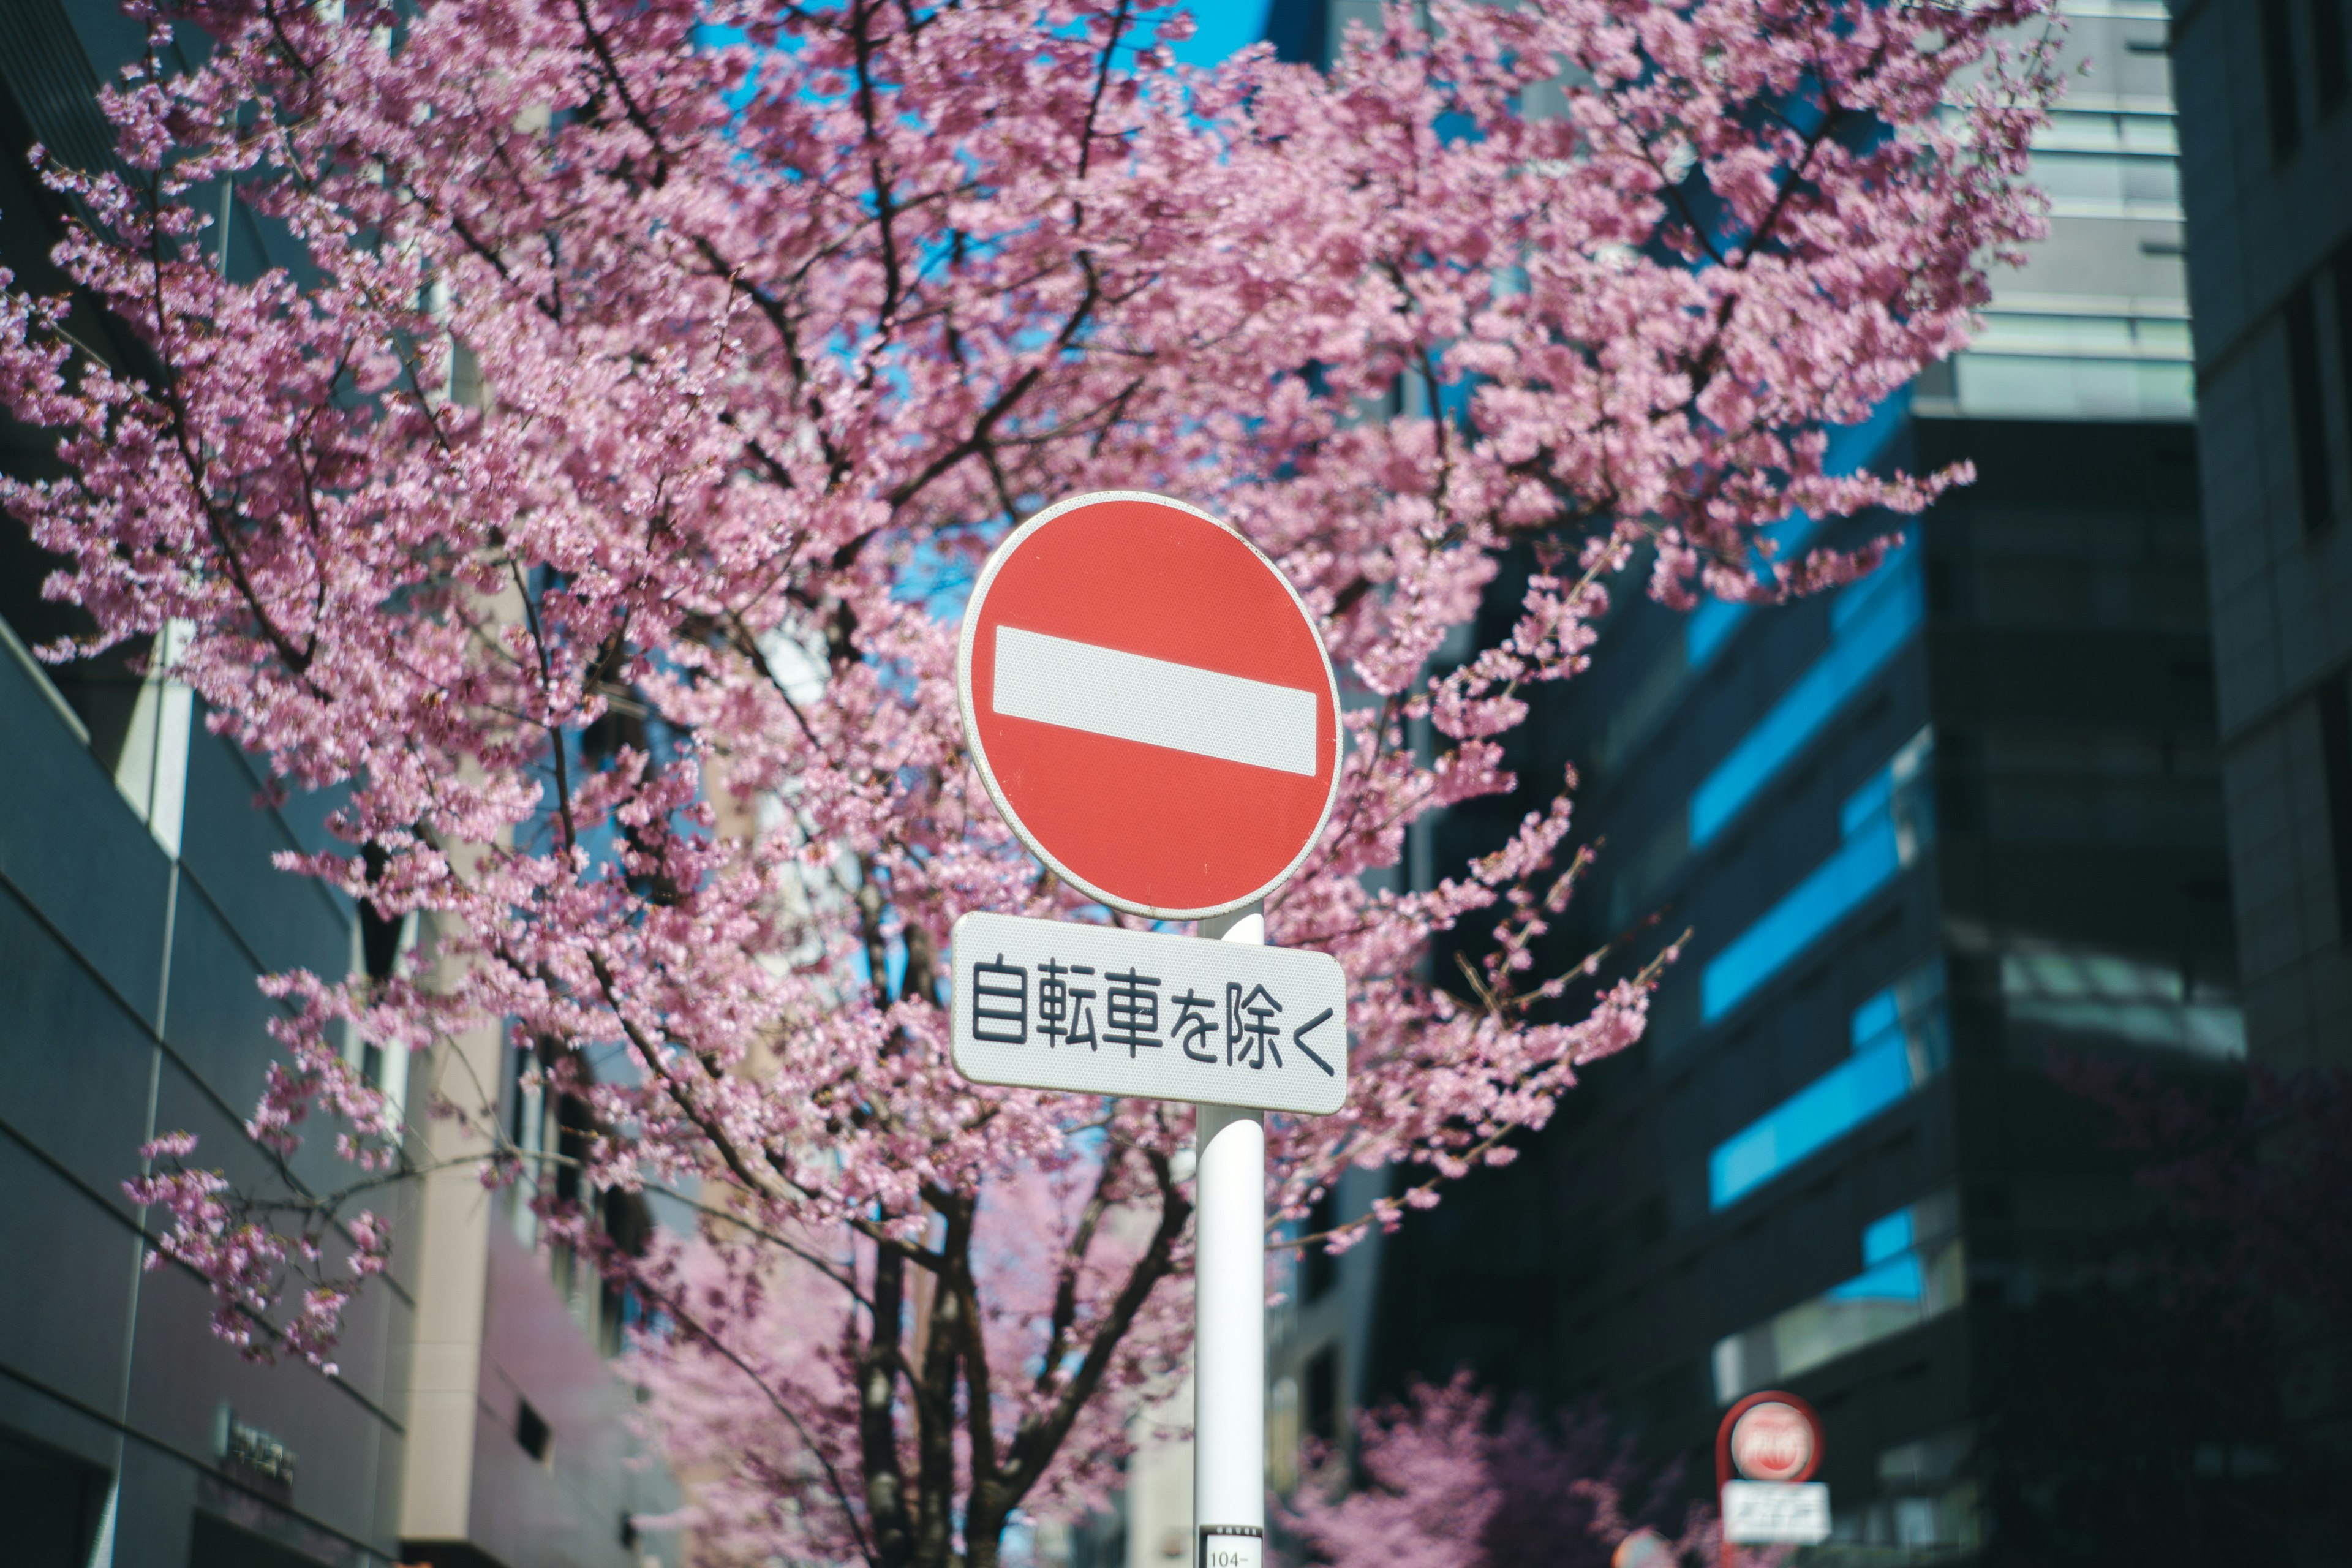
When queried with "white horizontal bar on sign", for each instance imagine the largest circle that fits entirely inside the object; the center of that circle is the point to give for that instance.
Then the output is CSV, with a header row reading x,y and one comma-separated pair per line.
x,y
1133,697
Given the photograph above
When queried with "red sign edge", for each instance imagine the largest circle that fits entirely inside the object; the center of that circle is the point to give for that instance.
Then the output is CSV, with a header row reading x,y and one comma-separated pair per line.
x,y
969,637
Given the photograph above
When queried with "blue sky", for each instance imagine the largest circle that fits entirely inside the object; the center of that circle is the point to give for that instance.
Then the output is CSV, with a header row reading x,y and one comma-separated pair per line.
x,y
1224,26
1221,26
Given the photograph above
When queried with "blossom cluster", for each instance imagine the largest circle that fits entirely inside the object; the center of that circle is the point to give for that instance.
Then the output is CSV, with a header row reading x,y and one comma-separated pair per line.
x,y
592,503
257,1254
1440,1479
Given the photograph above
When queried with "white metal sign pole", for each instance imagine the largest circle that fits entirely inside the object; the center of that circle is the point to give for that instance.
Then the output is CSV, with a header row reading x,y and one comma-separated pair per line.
x,y
1229,1317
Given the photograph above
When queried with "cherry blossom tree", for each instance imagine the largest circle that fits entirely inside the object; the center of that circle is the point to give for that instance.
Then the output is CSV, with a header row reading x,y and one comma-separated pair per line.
x,y
591,503
1438,1482
757,1486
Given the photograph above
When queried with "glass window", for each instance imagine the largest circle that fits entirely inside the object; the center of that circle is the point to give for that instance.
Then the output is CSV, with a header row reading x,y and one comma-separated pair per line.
x,y
1887,1240
2278,78
1851,449
1860,867
2327,54
2099,336
1869,623
1900,1041
2103,184
2134,999
1825,1109
1885,822
1875,1017
1713,622
1912,1272
2104,131
2333,700
2307,401
53,1504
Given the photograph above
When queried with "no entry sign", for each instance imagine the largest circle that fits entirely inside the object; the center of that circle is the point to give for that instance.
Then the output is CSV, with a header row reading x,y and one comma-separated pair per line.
x,y
1772,1440
1153,713
1150,705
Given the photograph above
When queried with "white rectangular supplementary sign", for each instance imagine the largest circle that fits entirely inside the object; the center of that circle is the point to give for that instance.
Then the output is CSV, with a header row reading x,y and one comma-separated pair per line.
x,y
1133,697
1230,1548
1097,1009
1794,1512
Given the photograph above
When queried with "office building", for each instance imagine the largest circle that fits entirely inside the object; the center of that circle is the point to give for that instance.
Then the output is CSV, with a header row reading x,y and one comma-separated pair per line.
x,y
1935,834
474,1420
2266,144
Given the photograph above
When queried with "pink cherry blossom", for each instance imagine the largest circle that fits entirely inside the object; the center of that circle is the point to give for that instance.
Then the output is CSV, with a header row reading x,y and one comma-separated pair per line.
x,y
1437,1480
592,503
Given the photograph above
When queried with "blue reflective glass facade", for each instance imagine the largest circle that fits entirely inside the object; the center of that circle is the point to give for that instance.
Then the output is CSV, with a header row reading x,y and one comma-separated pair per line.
x,y
1750,1202
1869,623
1865,864
1899,1042
1712,624
1852,448
1825,1111
1890,1268
1876,847
1913,1271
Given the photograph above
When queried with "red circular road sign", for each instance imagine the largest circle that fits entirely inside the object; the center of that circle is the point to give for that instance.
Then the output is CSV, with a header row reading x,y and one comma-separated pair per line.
x,y
1150,705
1775,1438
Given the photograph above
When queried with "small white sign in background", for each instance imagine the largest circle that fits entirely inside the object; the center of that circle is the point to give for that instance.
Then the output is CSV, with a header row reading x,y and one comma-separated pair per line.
x,y
1232,1548
1097,1009
1792,1511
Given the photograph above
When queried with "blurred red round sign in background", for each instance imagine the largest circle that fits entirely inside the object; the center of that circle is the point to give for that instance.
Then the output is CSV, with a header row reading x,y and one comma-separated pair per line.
x,y
1773,1441
1150,705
